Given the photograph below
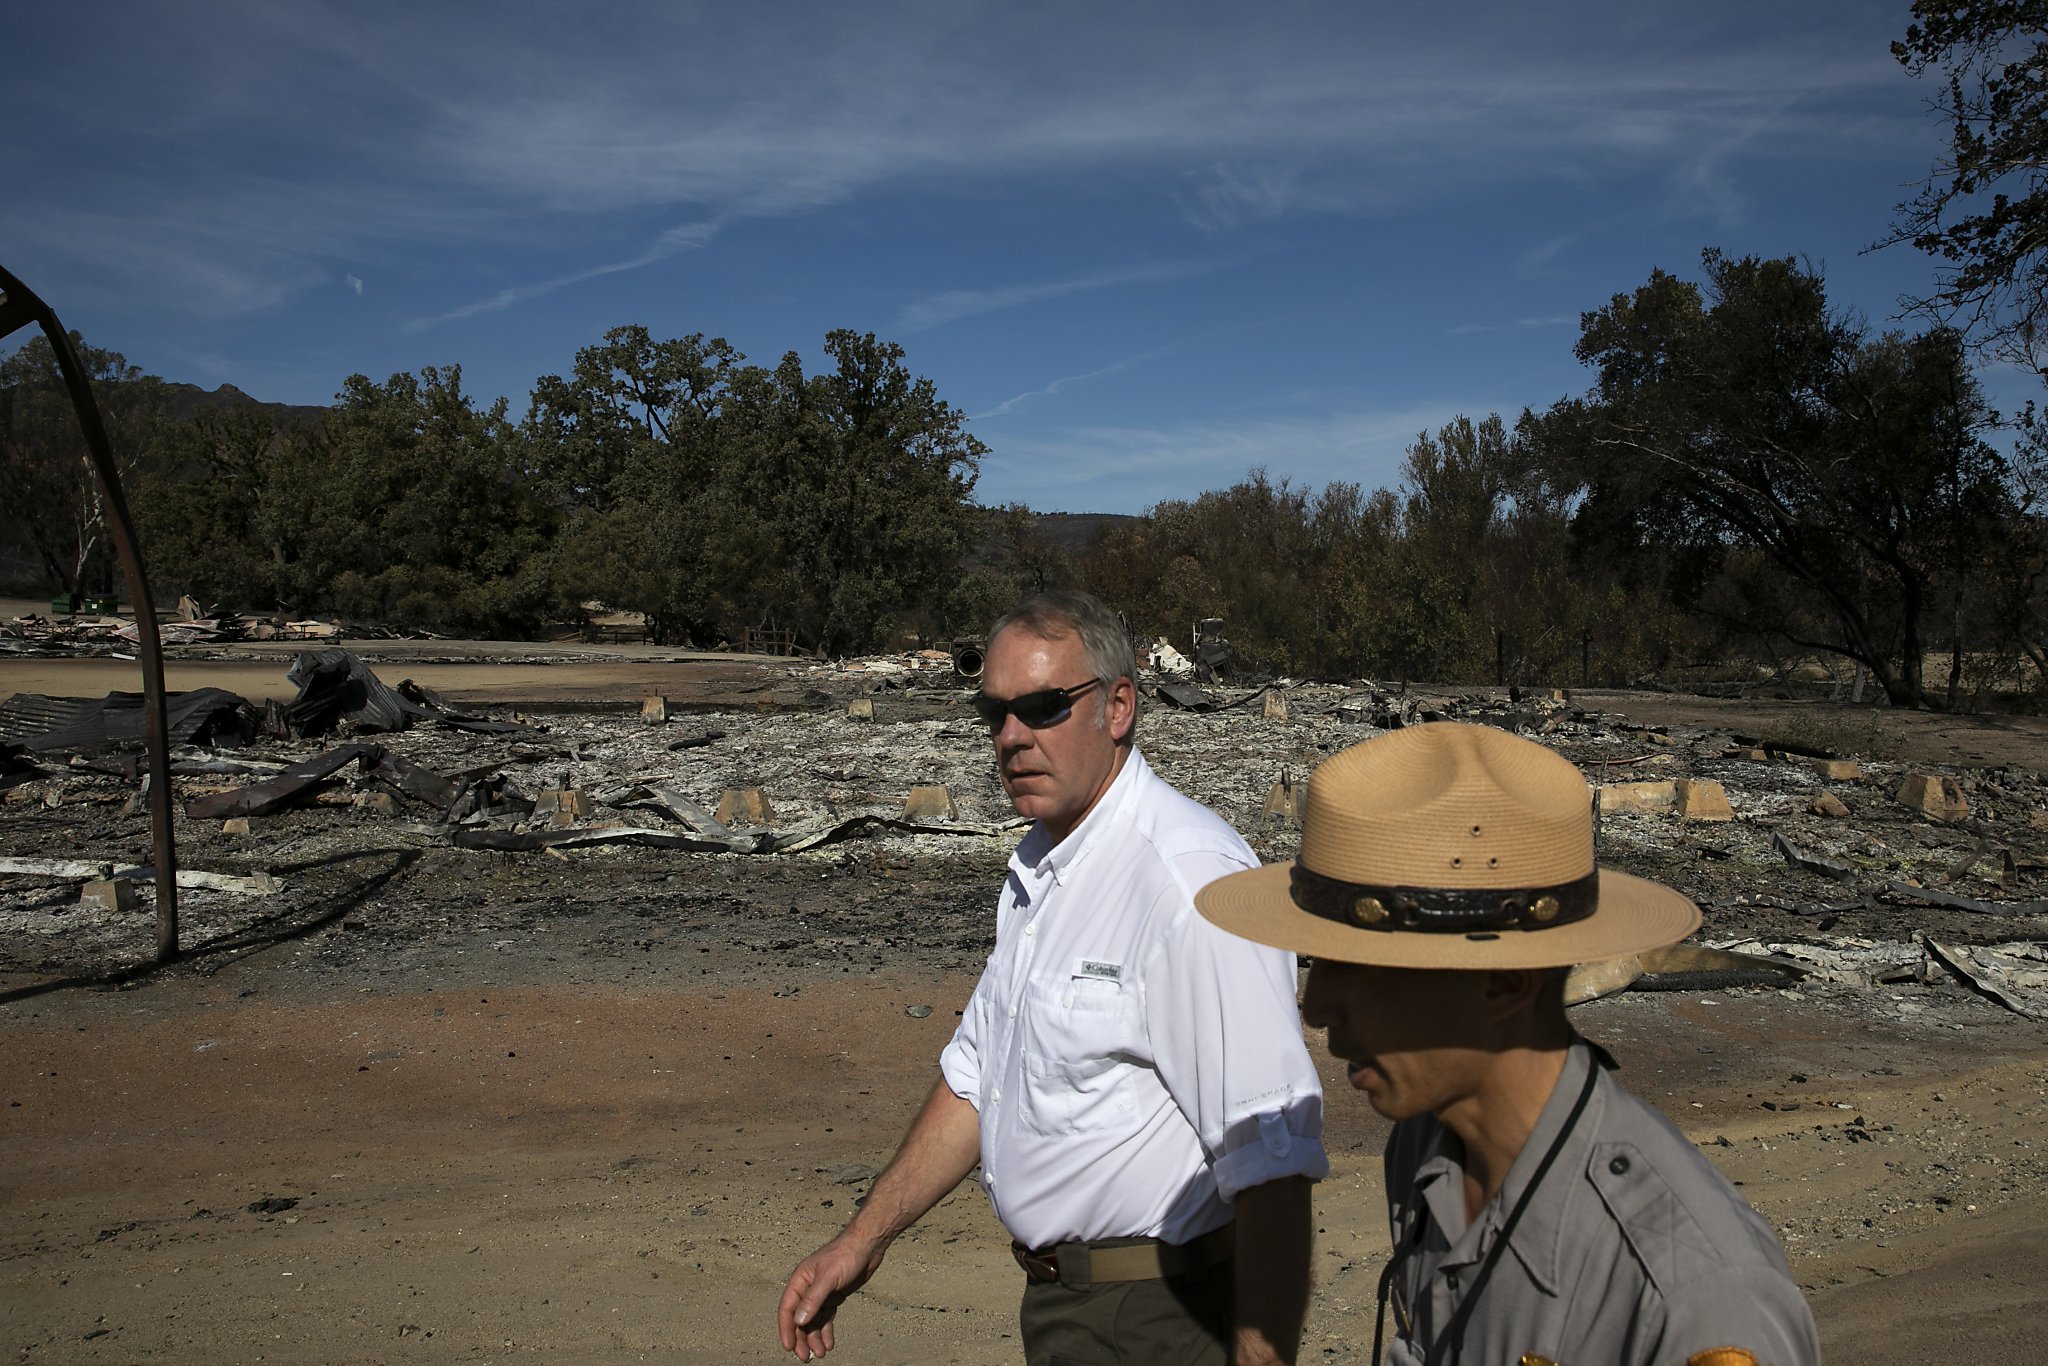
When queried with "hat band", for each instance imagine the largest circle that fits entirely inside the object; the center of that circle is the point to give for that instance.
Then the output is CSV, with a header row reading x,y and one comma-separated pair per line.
x,y
1443,910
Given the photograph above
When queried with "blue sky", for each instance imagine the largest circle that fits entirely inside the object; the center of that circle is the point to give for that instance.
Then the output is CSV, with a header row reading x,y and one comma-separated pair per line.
x,y
1145,246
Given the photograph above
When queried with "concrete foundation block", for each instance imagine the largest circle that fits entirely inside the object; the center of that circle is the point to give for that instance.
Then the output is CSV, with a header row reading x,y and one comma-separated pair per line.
x,y
1935,797
108,894
930,804
1701,799
745,806
1283,803
1647,798
573,800
1829,805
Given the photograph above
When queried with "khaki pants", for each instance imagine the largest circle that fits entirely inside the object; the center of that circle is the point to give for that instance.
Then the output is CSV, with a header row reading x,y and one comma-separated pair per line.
x,y
1185,1321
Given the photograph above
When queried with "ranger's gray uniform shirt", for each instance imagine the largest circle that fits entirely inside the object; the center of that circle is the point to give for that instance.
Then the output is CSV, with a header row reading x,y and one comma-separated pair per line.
x,y
1634,1249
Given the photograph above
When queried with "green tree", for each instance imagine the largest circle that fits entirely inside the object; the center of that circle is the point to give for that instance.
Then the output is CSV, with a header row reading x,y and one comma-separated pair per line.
x,y
1746,414
1482,531
1456,495
1235,553
428,523
1983,212
1009,558
1349,575
715,496
628,400
404,504
629,446
51,502
1300,579
865,474
208,514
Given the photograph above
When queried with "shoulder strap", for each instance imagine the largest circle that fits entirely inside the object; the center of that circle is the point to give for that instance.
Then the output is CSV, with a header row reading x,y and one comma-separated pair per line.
x,y
1455,1331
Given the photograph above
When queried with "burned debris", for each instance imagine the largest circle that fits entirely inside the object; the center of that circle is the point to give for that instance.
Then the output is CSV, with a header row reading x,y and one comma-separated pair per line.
x,y
67,725
337,691
1801,859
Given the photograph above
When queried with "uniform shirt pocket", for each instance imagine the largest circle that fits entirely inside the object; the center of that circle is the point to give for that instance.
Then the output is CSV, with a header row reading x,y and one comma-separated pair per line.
x,y
1077,1041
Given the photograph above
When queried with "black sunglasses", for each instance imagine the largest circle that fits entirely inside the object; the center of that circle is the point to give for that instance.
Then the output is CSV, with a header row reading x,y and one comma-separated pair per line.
x,y
1035,709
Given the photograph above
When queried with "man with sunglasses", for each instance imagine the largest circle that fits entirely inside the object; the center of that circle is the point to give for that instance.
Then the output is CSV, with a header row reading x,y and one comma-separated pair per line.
x,y
1132,1080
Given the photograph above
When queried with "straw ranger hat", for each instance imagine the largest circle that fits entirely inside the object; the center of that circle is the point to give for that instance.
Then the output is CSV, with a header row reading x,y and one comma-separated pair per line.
x,y
1449,846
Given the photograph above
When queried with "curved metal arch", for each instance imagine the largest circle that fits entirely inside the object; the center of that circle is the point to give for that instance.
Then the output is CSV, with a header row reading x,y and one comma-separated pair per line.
x,y
20,306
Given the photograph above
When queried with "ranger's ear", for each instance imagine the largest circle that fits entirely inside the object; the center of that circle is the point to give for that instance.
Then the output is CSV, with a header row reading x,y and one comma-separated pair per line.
x,y
1510,991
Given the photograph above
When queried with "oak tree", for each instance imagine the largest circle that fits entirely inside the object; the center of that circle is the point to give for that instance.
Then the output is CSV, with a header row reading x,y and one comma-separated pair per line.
x,y
1743,414
1983,212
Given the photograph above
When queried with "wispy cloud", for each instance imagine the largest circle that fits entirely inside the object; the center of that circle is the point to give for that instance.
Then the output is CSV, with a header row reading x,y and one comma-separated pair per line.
x,y
1705,178
354,283
551,117
680,238
955,304
1539,258
1047,390
1225,196
182,265
1516,325
1016,401
1237,331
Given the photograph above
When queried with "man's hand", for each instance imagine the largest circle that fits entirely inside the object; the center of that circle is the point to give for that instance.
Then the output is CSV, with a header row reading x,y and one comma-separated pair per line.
x,y
935,1156
815,1289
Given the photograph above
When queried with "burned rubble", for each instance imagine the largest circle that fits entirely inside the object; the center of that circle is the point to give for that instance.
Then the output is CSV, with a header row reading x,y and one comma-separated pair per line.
x,y
376,812
92,626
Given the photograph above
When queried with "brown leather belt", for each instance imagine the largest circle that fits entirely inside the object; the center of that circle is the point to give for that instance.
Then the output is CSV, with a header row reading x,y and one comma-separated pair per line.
x,y
1125,1259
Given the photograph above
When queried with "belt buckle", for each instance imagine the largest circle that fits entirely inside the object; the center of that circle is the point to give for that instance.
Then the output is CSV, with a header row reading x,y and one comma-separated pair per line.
x,y
1038,1266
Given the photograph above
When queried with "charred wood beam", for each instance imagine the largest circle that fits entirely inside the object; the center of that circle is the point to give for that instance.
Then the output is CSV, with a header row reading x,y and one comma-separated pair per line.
x,y
260,799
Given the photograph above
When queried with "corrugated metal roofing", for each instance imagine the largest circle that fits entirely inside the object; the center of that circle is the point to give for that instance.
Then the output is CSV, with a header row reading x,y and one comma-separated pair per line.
x,y
81,725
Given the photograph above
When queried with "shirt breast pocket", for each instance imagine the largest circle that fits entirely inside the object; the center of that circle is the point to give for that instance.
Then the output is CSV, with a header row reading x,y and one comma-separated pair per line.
x,y
1079,1077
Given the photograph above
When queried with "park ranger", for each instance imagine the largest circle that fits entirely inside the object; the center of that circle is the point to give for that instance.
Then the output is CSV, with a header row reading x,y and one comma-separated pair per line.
x,y
1540,1213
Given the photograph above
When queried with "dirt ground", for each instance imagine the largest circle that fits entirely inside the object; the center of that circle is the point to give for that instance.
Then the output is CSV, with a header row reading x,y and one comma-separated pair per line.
x,y
503,1107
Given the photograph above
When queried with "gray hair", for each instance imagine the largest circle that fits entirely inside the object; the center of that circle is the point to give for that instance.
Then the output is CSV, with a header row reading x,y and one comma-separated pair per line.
x,y
1061,612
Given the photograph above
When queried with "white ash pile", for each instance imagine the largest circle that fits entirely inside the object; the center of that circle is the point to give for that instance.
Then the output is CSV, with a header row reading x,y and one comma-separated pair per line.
x,y
1784,847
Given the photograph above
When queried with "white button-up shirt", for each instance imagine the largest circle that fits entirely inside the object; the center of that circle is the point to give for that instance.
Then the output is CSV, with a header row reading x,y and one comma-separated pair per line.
x,y
1134,1067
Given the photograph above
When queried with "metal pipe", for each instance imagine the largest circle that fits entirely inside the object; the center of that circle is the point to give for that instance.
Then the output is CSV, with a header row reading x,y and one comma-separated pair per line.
x,y
19,305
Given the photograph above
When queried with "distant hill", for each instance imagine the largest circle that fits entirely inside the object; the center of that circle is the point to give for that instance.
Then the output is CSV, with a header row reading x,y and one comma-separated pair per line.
x,y
1077,532
182,401
21,570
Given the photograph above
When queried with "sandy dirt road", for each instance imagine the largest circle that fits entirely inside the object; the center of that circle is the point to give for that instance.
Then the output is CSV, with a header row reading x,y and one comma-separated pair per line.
x,y
538,680
570,1148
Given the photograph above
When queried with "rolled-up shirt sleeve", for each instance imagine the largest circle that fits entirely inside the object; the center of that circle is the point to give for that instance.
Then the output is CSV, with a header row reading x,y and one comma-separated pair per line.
x,y
960,1061
1226,1038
